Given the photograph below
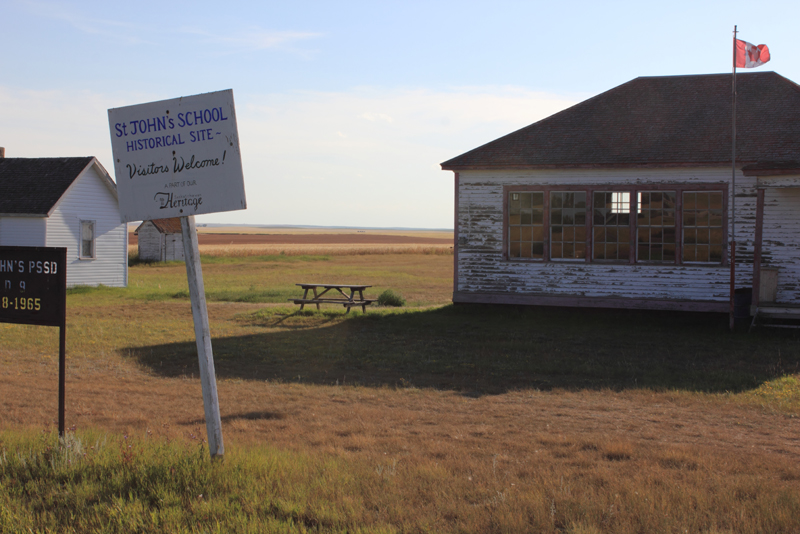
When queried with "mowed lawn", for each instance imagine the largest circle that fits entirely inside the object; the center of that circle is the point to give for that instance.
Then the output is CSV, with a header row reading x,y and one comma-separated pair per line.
x,y
423,418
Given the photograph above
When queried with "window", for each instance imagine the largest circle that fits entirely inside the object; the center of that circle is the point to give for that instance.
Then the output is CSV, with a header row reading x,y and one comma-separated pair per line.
x,y
702,226
567,225
87,240
655,222
611,224
526,225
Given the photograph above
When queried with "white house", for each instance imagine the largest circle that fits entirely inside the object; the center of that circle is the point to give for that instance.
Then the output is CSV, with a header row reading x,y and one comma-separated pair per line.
x,y
66,202
160,240
626,200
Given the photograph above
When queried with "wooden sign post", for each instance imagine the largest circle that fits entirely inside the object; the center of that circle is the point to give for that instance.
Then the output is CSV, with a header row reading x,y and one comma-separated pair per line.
x,y
33,290
202,334
180,158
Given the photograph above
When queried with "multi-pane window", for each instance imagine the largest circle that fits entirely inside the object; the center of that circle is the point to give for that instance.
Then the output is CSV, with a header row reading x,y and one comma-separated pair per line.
x,y
611,223
87,239
526,225
567,225
655,223
682,224
702,226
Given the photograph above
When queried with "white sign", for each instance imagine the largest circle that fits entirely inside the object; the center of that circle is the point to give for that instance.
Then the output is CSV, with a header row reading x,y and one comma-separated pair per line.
x,y
178,157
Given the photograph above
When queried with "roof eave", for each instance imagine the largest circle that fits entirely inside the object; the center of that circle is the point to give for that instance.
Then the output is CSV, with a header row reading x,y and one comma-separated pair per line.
x,y
651,165
770,172
32,215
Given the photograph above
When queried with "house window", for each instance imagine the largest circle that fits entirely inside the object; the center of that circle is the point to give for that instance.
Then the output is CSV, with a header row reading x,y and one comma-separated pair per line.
x,y
702,226
655,223
526,225
567,225
677,224
612,225
87,240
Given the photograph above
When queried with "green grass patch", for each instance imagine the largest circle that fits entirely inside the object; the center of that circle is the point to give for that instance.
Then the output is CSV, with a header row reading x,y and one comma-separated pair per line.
x,y
390,298
782,393
107,483
250,294
94,482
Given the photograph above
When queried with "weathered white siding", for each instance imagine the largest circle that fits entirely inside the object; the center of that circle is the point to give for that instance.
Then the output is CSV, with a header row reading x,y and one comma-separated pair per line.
x,y
22,231
151,242
155,246
781,239
482,269
173,247
89,199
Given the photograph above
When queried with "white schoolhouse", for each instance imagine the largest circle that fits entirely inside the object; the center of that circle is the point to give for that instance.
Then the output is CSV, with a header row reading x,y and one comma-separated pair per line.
x,y
66,202
626,200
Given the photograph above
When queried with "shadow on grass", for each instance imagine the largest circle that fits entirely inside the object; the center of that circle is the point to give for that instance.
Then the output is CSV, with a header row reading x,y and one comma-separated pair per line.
x,y
484,350
246,416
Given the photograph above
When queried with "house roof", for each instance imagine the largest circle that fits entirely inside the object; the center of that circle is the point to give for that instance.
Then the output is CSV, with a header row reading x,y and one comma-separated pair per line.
x,y
33,186
658,121
165,226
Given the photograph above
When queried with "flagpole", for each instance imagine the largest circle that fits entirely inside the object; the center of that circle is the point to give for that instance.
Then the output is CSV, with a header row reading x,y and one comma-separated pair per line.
x,y
733,185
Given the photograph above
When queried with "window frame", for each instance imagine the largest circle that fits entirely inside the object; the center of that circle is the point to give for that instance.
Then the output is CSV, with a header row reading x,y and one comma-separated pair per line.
x,y
634,190
81,255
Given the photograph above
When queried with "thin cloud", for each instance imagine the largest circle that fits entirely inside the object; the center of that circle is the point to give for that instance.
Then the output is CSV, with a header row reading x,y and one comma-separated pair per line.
x,y
254,38
124,31
238,40
377,117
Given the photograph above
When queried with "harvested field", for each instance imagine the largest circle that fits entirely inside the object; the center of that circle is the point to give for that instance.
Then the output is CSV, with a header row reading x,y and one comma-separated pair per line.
x,y
297,242
288,230
329,238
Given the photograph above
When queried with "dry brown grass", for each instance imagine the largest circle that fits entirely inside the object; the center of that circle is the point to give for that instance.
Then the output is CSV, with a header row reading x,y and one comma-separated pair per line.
x,y
523,461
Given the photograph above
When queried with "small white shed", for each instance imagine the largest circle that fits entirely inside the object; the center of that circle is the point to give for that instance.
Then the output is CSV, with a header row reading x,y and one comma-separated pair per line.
x,y
160,240
66,202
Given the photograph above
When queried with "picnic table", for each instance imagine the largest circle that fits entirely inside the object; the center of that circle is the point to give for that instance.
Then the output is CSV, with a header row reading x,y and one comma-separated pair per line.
x,y
348,301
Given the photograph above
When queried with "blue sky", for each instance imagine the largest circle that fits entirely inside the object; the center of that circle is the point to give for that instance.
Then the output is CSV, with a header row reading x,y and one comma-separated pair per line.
x,y
345,109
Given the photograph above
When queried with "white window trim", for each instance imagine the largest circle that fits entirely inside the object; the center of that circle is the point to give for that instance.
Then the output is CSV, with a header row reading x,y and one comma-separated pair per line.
x,y
94,240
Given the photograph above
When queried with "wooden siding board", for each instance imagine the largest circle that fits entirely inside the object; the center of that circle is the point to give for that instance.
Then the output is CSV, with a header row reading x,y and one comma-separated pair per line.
x,y
157,246
22,231
90,199
595,302
173,247
481,267
150,242
780,247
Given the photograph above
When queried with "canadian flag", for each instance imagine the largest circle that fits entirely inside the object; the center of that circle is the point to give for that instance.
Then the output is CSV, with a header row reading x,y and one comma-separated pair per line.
x,y
749,55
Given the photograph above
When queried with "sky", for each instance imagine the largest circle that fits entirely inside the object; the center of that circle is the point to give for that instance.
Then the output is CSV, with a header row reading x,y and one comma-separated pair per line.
x,y
346,109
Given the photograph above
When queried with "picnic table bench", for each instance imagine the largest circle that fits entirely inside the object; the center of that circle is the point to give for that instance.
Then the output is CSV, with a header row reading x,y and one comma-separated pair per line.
x,y
348,301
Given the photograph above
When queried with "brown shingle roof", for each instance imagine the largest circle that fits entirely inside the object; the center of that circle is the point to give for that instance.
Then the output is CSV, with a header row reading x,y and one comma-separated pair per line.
x,y
165,226
32,186
658,121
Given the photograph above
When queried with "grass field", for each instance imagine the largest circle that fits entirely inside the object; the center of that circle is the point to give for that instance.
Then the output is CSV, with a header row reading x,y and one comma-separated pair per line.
x,y
426,418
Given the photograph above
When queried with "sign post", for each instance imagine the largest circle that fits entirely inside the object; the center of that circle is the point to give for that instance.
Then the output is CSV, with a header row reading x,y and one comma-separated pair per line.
x,y
180,158
202,334
33,290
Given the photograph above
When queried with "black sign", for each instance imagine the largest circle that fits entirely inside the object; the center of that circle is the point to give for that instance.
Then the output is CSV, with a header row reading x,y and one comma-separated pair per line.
x,y
33,285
